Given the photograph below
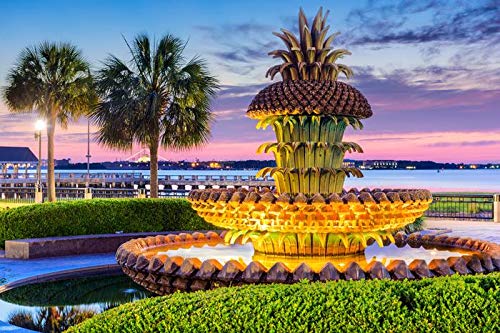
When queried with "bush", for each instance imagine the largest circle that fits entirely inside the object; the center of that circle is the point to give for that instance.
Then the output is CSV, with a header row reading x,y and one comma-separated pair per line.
x,y
418,225
98,216
445,304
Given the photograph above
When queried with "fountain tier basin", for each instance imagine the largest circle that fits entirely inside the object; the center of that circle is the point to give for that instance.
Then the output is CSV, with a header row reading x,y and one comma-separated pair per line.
x,y
200,261
317,225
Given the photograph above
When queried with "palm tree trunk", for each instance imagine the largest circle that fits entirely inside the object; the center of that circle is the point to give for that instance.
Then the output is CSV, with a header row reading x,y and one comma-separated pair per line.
x,y
51,182
153,168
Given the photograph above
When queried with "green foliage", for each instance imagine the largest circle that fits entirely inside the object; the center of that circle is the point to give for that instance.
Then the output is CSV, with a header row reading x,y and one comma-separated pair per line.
x,y
54,81
310,55
158,99
98,216
418,225
446,304
457,207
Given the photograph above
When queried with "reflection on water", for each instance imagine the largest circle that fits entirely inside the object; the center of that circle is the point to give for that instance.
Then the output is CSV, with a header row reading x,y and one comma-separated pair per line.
x,y
245,254
50,319
91,294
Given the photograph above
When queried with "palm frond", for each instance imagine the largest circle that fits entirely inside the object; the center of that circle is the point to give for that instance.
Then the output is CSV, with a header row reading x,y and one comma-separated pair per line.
x,y
158,98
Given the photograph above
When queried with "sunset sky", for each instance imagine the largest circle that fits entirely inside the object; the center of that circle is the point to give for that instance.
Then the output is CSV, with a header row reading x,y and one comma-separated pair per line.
x,y
429,68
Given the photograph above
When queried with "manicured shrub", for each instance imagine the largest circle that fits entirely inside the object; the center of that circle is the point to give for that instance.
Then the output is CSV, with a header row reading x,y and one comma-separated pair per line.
x,y
98,216
445,304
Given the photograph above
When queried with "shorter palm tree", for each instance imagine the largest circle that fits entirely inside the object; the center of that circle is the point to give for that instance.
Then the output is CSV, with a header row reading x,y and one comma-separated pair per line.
x,y
54,81
157,100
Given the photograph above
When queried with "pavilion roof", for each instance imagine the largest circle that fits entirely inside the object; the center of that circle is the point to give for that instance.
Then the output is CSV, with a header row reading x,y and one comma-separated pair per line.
x,y
17,155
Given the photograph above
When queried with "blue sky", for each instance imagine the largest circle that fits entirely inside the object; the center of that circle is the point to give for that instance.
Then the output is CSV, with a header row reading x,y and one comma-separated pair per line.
x,y
430,68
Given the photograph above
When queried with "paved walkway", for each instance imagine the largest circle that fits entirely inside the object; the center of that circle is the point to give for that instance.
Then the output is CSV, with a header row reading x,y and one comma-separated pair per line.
x,y
16,269
488,231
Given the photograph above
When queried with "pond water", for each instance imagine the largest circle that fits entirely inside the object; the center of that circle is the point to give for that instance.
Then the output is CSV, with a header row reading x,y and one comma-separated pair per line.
x,y
94,294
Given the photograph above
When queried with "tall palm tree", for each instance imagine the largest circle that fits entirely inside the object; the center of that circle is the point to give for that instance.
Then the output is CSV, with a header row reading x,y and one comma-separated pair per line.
x,y
53,80
157,99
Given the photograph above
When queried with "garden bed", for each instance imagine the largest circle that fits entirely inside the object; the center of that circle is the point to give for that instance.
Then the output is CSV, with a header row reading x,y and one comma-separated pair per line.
x,y
98,216
457,303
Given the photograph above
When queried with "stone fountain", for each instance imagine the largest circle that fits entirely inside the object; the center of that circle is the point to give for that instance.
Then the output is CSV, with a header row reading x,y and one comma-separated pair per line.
x,y
308,220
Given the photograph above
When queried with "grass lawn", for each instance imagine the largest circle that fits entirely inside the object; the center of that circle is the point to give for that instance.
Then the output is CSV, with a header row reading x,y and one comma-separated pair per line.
x,y
9,204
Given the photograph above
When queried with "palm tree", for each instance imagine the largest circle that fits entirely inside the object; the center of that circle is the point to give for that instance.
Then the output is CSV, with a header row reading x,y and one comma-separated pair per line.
x,y
157,99
51,319
53,80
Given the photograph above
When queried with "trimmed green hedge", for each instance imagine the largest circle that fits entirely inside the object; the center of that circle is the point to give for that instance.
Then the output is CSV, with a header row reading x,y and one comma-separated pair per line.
x,y
446,304
98,216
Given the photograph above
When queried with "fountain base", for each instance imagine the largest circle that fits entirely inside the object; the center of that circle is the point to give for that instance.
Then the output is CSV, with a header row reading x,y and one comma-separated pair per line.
x,y
306,244
164,264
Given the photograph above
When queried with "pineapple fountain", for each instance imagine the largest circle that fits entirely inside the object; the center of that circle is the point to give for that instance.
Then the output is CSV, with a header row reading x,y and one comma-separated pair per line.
x,y
308,226
309,110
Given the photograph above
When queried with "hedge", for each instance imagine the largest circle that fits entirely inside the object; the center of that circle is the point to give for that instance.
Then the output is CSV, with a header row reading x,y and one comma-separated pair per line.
x,y
98,216
445,304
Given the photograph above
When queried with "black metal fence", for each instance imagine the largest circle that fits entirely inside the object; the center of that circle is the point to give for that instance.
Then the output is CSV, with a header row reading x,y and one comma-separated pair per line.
x,y
461,206
27,194
445,205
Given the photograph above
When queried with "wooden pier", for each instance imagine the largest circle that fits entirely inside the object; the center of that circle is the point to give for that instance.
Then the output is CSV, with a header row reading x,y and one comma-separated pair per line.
x,y
121,184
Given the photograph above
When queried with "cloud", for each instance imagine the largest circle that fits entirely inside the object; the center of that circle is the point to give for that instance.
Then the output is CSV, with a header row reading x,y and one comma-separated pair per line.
x,y
454,22
382,139
481,143
241,48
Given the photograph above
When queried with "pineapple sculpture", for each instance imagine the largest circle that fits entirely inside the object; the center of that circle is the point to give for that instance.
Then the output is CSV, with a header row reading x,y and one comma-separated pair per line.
x,y
309,111
309,213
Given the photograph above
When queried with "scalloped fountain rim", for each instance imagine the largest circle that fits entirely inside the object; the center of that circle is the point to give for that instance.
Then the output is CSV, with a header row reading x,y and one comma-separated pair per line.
x,y
163,274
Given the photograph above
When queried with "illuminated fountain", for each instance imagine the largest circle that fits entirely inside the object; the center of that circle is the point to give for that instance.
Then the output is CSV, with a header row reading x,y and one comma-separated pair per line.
x,y
309,214
308,222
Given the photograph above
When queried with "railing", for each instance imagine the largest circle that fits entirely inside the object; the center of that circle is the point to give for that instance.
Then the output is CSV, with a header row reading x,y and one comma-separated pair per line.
x,y
27,194
128,177
451,206
461,206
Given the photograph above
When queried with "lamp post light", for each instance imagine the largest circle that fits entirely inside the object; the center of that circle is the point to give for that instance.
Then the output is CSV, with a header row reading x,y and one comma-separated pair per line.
x,y
88,190
88,156
39,126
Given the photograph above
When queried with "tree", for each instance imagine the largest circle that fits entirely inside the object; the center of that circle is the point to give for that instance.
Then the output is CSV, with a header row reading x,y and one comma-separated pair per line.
x,y
53,80
157,99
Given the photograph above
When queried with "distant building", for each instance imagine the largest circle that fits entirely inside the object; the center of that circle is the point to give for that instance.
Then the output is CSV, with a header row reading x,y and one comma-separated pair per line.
x,y
62,163
380,164
16,157
348,164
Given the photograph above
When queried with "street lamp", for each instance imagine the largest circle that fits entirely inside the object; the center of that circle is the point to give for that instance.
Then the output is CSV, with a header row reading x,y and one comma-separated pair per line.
x,y
88,156
39,126
88,191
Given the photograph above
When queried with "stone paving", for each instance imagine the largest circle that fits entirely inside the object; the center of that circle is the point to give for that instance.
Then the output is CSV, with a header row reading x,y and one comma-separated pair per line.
x,y
16,269
483,230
